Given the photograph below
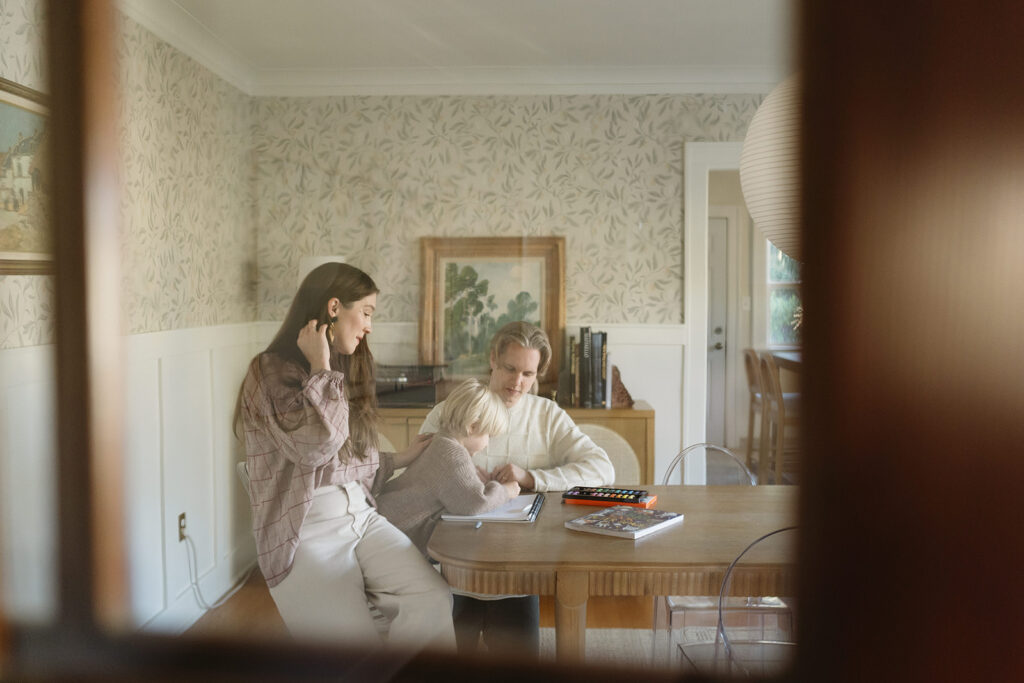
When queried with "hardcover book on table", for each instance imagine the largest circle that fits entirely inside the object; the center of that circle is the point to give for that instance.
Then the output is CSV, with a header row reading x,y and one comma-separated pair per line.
x,y
625,522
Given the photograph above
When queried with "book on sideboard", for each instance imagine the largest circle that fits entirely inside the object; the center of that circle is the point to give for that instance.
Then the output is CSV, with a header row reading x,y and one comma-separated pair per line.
x,y
586,381
573,396
625,522
586,368
597,345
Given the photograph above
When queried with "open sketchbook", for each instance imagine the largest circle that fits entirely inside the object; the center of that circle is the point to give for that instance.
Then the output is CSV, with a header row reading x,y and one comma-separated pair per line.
x,y
523,508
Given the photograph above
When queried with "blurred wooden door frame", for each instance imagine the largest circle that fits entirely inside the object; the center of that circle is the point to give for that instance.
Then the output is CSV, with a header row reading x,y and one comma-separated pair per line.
x,y
913,150
913,205
93,577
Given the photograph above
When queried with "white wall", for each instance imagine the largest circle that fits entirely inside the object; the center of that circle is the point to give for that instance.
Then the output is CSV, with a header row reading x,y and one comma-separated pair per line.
x,y
28,503
180,455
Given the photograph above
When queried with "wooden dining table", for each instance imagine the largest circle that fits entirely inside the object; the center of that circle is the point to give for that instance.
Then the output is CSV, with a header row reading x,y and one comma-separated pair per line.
x,y
545,558
787,360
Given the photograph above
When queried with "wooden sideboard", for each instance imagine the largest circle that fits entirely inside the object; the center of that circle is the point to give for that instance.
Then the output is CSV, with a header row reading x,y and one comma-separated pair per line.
x,y
635,425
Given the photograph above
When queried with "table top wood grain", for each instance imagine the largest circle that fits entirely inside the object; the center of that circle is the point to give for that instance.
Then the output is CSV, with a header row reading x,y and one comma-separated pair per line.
x,y
788,360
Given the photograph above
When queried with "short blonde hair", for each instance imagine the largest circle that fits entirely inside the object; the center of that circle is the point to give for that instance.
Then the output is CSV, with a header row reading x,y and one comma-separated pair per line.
x,y
529,337
472,403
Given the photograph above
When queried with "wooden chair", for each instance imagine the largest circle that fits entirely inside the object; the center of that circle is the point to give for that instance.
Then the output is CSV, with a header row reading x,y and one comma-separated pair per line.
x,y
780,410
752,365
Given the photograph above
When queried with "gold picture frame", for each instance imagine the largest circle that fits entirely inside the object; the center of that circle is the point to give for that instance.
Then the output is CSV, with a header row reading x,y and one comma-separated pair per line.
x,y
471,286
25,227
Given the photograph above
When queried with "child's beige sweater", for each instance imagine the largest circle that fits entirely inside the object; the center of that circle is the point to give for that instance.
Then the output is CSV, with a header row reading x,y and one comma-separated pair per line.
x,y
442,479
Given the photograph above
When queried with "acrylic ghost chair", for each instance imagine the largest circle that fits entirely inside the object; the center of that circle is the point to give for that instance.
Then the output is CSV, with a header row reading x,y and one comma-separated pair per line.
x,y
743,645
693,616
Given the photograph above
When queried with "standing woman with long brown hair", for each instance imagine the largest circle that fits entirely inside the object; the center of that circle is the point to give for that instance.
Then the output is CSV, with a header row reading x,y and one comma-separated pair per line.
x,y
308,406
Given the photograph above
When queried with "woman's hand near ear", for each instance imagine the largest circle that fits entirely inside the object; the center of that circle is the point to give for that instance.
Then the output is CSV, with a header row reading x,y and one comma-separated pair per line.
x,y
312,342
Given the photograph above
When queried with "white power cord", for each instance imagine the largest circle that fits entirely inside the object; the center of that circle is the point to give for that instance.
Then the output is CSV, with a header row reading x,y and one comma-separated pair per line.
x,y
193,577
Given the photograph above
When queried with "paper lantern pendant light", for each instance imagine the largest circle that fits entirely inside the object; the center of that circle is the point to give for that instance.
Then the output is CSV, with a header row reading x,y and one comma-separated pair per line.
x,y
770,167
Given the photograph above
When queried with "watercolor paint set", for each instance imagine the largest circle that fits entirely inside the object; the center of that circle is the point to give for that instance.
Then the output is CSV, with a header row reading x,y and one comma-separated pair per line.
x,y
607,496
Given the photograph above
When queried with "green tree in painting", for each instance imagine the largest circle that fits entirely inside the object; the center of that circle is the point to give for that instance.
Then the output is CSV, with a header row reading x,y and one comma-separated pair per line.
x,y
469,321
463,304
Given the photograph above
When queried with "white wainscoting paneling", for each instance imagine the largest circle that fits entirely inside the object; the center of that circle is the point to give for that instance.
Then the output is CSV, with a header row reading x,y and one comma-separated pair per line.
x,y
28,486
180,453
391,343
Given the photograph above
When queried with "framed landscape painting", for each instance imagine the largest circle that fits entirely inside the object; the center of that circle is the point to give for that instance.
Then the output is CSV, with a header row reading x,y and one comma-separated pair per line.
x,y
25,237
472,286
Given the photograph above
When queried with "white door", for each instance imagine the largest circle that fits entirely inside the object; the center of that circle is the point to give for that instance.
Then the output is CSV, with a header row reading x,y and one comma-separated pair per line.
x,y
718,284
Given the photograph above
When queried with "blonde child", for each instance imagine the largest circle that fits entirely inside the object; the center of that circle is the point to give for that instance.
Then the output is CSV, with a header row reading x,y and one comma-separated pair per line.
x,y
444,478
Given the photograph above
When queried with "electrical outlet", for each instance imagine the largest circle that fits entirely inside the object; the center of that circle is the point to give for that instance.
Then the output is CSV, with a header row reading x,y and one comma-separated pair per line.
x,y
181,527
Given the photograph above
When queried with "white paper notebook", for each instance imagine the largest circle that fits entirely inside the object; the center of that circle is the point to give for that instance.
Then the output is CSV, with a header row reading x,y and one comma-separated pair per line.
x,y
522,508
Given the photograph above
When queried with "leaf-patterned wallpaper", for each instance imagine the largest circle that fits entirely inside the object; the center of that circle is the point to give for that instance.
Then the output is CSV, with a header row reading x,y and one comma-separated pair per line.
x,y
223,193
188,239
26,301
22,31
366,177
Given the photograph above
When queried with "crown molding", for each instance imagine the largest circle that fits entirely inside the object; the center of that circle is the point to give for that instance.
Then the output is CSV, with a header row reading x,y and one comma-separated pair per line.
x,y
515,81
179,29
172,24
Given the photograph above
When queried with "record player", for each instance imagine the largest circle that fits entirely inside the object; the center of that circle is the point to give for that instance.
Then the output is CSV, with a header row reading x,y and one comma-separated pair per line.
x,y
403,386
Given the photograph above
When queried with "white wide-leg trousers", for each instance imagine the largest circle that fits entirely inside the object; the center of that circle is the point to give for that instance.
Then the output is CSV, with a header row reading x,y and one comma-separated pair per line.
x,y
348,555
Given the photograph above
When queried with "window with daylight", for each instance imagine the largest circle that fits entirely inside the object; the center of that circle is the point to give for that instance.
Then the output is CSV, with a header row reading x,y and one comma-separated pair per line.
x,y
785,306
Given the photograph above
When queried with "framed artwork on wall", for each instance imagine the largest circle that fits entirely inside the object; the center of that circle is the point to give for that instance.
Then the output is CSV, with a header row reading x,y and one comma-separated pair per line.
x,y
474,285
25,235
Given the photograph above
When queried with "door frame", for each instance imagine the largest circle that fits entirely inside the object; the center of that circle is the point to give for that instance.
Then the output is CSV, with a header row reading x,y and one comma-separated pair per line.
x,y
738,319
700,158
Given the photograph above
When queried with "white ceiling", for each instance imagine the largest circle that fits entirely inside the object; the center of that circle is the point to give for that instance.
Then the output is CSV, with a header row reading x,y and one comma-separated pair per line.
x,y
311,47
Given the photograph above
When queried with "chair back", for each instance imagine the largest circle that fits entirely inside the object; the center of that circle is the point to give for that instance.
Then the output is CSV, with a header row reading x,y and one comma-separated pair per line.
x,y
622,455
752,365
723,466
762,650
771,387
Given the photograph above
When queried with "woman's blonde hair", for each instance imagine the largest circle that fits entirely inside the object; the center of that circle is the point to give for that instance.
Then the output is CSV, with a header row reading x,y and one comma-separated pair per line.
x,y
473,404
529,337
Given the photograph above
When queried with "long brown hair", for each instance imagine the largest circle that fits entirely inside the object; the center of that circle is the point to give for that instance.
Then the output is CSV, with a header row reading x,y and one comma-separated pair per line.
x,y
348,284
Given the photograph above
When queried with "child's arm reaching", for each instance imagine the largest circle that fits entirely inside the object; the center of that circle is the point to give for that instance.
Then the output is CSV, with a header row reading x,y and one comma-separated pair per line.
x,y
462,492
